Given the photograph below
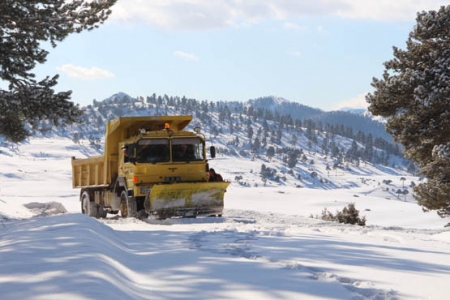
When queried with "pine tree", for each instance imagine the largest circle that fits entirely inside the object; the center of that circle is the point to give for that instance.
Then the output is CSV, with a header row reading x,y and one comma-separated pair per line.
x,y
414,96
270,153
292,158
24,24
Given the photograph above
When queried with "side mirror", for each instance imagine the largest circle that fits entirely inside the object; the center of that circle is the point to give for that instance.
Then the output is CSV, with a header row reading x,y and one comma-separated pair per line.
x,y
212,151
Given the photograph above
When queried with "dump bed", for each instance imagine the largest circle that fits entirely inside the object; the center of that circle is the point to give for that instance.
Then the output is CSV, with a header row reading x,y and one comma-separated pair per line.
x,y
89,172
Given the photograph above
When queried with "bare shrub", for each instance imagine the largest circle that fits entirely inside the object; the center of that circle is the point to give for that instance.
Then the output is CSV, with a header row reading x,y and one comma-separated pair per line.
x,y
349,215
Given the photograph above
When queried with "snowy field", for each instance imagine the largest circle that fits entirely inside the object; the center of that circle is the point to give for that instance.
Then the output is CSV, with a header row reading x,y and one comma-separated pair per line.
x,y
267,245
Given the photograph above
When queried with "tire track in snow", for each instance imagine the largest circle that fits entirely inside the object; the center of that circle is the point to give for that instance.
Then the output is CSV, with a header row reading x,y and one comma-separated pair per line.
x,y
236,242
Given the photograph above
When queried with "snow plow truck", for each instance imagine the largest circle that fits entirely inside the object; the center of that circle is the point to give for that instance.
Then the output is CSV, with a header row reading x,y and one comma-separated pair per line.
x,y
151,166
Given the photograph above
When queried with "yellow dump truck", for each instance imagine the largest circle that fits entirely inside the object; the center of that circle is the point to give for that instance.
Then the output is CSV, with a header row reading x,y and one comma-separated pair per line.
x,y
150,166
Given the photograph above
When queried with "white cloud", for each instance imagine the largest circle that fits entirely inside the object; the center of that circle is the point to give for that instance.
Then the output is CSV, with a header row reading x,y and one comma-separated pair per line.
x,y
293,26
85,73
387,10
295,53
205,14
186,56
356,102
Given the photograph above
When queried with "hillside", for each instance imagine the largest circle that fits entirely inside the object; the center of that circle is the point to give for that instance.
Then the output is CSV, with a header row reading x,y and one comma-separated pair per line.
x,y
263,129
355,119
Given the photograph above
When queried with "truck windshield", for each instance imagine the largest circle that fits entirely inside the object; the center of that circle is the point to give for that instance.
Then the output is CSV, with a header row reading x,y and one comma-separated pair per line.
x,y
187,149
152,150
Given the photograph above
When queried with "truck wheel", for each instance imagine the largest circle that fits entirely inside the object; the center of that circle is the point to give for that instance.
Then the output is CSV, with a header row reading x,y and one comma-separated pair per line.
x,y
88,207
128,207
91,209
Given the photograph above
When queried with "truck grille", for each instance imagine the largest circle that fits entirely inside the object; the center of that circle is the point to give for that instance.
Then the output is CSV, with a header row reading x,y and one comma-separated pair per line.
x,y
172,179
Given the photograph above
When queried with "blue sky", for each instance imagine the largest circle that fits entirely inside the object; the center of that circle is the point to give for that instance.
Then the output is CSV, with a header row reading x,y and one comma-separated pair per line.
x,y
322,54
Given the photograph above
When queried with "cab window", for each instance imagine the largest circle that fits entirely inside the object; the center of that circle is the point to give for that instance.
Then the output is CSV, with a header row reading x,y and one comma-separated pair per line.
x,y
187,149
152,150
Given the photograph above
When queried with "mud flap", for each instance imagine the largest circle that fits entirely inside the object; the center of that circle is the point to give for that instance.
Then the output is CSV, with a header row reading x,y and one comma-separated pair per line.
x,y
186,199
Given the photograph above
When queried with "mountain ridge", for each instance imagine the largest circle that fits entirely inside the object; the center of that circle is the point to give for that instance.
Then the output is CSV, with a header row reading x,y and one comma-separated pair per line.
x,y
251,128
304,152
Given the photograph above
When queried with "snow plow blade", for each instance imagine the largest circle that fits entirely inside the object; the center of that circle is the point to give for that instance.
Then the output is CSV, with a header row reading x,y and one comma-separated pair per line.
x,y
186,199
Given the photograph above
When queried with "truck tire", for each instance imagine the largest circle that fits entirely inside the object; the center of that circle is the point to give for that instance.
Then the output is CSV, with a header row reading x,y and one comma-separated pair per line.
x,y
91,209
128,207
88,207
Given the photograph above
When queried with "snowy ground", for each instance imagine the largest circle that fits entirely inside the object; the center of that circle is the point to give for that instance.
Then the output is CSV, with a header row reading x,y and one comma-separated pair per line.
x,y
266,245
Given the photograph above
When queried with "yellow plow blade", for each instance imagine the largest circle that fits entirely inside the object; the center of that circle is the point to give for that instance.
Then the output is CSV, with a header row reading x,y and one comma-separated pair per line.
x,y
187,199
